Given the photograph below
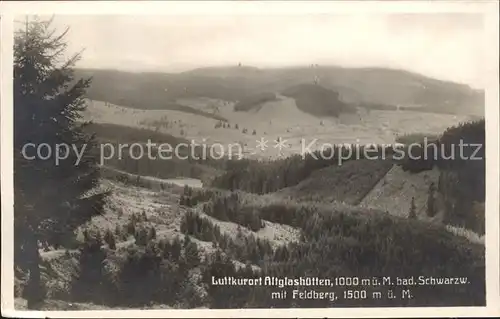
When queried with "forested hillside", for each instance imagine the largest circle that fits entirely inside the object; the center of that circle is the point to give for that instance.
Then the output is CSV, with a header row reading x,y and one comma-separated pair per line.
x,y
142,231
381,88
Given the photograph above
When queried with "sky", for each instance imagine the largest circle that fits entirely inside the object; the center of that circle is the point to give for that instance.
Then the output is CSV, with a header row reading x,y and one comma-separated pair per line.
x,y
445,46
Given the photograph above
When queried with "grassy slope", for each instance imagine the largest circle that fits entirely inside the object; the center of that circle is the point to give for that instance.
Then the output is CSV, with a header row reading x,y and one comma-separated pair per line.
x,y
349,182
394,192
139,91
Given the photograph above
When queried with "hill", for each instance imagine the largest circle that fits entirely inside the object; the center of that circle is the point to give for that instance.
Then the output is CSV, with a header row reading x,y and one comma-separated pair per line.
x,y
120,157
376,87
278,218
193,242
145,91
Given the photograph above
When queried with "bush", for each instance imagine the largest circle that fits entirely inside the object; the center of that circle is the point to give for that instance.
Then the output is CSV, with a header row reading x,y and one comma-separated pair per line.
x,y
91,282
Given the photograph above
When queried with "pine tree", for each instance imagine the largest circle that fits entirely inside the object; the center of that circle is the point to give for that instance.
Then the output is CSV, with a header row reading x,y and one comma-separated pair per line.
x,y
89,283
431,209
152,233
412,214
118,231
176,249
86,235
109,238
141,237
51,201
98,237
187,241
191,254
131,227
239,232
185,190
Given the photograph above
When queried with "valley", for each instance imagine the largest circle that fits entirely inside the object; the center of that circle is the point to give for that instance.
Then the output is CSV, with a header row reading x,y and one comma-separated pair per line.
x,y
274,211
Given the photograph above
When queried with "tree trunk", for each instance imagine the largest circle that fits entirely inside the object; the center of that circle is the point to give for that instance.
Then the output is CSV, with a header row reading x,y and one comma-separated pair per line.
x,y
33,291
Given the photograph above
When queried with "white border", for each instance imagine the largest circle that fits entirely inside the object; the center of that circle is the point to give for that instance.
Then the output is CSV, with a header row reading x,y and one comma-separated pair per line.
x,y
491,53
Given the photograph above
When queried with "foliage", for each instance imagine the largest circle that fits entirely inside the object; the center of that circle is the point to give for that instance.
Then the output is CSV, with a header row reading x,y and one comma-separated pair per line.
x,y
254,101
51,200
318,100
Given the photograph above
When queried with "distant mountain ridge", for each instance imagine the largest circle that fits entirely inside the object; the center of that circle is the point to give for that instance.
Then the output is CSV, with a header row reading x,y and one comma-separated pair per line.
x,y
367,87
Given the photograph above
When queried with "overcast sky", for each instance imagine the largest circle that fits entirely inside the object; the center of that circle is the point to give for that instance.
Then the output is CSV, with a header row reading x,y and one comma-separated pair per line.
x,y
445,46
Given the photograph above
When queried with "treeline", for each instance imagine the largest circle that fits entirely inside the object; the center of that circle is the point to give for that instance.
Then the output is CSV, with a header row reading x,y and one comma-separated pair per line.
x,y
228,208
155,273
223,205
244,248
460,156
462,179
348,183
263,177
128,135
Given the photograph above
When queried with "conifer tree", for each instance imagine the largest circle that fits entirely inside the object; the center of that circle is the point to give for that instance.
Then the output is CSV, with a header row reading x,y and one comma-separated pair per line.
x,y
191,254
118,231
131,227
109,238
152,233
98,237
412,214
176,249
89,283
51,200
141,237
431,209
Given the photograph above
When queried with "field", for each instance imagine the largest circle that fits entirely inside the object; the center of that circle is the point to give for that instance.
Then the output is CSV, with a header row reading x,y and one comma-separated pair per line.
x,y
274,119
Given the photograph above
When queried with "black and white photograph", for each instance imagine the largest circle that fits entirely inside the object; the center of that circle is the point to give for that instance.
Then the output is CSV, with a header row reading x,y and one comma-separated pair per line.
x,y
315,160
